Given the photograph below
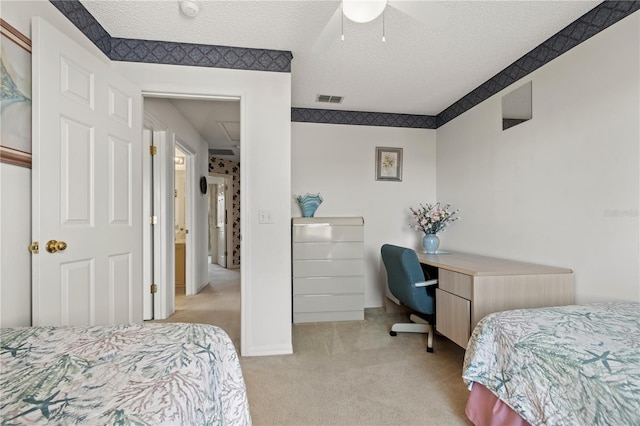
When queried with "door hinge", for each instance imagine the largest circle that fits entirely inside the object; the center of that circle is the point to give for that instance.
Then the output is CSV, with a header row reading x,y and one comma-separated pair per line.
x,y
153,150
34,247
153,220
154,288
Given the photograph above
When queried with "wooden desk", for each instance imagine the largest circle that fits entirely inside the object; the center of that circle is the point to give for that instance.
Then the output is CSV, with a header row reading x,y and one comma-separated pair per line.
x,y
472,286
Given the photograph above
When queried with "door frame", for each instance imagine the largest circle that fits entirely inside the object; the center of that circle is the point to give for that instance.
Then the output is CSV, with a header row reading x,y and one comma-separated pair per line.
x,y
163,267
227,205
164,300
189,216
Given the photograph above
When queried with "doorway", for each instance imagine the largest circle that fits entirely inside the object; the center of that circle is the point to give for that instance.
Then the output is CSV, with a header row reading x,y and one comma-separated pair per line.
x,y
218,219
180,220
183,160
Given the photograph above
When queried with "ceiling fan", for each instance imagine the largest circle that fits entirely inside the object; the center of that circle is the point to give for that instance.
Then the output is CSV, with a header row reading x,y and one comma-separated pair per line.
x,y
431,13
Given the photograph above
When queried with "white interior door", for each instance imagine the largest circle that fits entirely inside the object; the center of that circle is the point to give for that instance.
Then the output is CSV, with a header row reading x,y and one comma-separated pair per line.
x,y
149,230
221,225
86,186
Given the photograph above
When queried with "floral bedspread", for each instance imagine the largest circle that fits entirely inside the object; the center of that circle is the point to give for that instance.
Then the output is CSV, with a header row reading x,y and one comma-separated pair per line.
x,y
149,374
570,365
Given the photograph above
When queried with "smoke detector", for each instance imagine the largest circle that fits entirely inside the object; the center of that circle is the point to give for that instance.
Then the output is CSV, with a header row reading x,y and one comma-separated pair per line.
x,y
190,8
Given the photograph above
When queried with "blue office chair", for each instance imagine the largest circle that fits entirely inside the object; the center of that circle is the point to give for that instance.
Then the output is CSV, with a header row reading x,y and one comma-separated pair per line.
x,y
407,283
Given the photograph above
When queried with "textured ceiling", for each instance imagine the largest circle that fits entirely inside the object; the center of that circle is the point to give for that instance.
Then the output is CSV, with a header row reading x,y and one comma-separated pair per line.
x,y
432,56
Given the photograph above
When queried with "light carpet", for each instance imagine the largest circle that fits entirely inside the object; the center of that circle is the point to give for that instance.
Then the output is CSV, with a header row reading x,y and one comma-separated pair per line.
x,y
341,373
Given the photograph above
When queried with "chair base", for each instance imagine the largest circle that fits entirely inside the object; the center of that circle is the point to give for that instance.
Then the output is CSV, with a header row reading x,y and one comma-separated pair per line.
x,y
417,325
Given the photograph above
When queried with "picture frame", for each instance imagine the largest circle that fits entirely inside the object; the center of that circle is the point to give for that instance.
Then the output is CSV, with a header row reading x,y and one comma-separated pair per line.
x,y
389,164
15,147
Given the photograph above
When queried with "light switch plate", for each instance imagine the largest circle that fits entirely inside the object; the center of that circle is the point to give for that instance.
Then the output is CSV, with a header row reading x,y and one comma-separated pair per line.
x,y
264,216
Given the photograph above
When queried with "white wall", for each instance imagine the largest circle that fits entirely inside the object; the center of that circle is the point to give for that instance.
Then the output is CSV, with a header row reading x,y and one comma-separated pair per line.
x,y
15,234
265,115
563,188
339,162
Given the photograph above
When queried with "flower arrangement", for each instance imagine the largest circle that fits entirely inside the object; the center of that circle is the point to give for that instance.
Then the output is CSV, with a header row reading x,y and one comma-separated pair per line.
x,y
433,218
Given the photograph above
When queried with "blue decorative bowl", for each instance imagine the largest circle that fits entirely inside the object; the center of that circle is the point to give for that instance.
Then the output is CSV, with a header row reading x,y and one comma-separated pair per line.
x,y
309,203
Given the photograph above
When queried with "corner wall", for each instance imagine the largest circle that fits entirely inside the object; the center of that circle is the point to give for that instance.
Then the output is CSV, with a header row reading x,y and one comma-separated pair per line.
x,y
563,188
339,162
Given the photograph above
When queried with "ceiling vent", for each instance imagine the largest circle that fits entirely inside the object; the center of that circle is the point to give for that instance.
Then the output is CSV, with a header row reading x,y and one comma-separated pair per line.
x,y
222,151
329,99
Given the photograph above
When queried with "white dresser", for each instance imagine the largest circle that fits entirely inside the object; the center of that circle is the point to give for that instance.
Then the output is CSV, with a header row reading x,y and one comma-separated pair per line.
x,y
328,269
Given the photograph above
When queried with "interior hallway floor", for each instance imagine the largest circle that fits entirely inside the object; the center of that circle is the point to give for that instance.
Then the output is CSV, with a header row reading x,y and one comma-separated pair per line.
x,y
341,373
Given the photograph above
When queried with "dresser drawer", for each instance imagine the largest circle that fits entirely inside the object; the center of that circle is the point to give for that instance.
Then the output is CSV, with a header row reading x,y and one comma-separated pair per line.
x,y
325,232
455,283
328,303
328,285
329,250
327,268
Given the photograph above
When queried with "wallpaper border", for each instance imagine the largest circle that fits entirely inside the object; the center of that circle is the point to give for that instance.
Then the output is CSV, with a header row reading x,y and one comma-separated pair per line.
x,y
591,23
360,118
163,52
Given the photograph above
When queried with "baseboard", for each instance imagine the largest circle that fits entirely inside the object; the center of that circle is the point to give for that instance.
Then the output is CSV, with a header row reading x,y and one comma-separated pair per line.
x,y
268,350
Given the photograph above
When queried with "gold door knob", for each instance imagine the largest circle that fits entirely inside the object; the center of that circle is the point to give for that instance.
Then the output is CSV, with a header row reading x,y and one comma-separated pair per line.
x,y
54,246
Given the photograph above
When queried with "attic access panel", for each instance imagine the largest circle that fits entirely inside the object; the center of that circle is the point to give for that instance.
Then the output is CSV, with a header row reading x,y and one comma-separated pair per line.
x,y
517,107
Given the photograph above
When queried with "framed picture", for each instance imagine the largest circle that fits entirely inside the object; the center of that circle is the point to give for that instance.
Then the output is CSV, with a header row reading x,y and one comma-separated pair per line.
x,y
15,145
389,164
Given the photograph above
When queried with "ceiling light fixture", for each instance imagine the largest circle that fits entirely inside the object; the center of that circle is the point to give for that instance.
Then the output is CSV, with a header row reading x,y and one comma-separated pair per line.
x,y
362,11
190,8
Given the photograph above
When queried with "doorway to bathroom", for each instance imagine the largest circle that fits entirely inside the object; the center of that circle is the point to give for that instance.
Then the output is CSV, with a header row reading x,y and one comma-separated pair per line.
x,y
180,220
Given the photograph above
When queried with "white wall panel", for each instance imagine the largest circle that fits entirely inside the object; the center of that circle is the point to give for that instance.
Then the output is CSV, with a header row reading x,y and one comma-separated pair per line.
x,y
339,162
563,188
15,236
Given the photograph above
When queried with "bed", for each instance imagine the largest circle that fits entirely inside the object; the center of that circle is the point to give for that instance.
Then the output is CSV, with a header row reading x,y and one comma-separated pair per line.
x,y
569,365
140,374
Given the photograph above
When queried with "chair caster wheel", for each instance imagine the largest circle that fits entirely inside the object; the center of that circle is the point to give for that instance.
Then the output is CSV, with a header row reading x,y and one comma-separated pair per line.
x,y
430,350
393,333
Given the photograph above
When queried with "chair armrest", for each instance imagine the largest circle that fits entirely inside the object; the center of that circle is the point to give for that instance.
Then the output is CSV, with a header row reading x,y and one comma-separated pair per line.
x,y
426,283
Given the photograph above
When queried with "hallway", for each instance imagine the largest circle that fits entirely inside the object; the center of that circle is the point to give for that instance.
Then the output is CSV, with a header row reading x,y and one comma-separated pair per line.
x,y
218,303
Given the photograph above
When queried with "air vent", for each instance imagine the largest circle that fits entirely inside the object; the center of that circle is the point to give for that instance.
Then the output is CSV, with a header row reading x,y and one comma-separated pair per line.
x,y
329,99
218,152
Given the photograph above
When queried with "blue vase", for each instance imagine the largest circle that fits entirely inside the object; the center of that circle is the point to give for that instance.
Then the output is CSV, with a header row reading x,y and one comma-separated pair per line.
x,y
430,242
309,203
